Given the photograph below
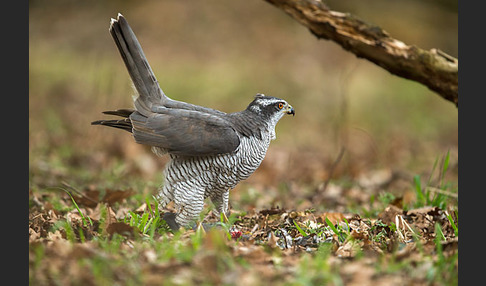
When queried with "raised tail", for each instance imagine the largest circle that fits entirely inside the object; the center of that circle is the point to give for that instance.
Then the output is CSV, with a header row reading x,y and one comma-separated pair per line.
x,y
124,124
138,67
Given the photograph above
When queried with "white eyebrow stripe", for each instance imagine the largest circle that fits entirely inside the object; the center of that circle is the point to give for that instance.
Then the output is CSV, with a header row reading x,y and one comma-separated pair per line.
x,y
265,101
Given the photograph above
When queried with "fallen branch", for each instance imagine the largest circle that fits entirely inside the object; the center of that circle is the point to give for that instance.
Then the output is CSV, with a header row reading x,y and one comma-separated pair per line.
x,y
435,69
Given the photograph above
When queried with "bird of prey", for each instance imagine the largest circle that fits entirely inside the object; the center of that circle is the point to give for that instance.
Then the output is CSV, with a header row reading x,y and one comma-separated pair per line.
x,y
210,151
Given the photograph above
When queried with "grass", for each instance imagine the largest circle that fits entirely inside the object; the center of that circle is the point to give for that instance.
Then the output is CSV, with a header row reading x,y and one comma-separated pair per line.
x,y
184,256
435,196
340,231
93,254
149,221
86,220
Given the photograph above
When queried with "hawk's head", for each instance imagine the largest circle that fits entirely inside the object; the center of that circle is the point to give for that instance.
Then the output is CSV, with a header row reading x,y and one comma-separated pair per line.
x,y
269,107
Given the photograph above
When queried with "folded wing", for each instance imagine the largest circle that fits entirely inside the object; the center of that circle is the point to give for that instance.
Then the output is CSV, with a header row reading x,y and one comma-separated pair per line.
x,y
185,132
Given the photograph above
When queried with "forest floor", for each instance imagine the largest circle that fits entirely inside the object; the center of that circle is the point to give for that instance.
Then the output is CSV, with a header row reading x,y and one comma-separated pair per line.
x,y
98,235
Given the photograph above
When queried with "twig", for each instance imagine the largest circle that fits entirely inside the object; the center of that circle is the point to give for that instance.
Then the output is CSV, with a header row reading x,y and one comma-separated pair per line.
x,y
443,192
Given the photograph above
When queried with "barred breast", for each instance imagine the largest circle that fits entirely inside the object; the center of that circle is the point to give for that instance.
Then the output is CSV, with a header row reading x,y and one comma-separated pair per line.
x,y
190,180
220,171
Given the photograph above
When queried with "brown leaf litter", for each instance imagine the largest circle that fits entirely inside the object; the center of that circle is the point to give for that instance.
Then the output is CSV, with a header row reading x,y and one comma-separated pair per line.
x,y
266,239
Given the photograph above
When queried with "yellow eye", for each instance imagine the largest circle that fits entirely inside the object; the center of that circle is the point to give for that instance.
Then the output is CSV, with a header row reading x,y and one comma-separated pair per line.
x,y
280,105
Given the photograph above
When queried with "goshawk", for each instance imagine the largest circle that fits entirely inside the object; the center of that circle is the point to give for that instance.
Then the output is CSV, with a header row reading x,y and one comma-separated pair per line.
x,y
210,151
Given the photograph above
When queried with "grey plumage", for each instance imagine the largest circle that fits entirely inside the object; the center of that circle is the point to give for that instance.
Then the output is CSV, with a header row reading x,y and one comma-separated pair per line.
x,y
211,151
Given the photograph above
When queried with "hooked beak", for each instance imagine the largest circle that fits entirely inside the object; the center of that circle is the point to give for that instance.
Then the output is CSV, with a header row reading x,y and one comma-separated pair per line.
x,y
290,110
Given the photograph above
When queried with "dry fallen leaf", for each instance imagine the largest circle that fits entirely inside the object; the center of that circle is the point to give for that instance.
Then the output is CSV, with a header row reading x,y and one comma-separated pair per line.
x,y
113,196
388,215
333,217
88,198
122,229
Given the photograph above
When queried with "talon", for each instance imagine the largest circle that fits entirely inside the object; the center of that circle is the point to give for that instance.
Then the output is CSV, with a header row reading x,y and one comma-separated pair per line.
x,y
225,218
170,219
200,228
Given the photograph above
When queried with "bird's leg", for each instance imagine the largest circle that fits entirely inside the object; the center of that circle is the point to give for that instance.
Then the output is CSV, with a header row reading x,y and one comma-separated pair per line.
x,y
220,201
190,210
165,195
225,218
225,206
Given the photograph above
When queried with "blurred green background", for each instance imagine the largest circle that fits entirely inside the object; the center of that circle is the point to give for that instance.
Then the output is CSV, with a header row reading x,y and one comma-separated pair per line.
x,y
219,54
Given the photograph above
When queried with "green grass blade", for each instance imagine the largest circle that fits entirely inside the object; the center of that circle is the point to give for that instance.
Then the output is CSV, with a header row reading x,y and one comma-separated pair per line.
x,y
445,166
439,237
146,226
133,219
333,228
300,229
433,170
153,227
456,231
143,222
85,220
418,190
438,232
149,206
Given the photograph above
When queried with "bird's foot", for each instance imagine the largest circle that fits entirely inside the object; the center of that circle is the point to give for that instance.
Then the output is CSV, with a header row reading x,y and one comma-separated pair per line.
x,y
170,219
224,217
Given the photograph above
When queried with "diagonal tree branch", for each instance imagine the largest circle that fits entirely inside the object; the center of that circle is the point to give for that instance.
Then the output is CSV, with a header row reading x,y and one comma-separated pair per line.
x,y
434,69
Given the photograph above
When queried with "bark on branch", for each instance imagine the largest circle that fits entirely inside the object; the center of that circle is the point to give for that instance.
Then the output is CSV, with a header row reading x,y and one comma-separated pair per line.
x,y
435,69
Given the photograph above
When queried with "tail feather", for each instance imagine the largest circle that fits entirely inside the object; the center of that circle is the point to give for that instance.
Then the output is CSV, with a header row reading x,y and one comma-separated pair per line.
x,y
137,65
143,78
151,99
120,112
124,124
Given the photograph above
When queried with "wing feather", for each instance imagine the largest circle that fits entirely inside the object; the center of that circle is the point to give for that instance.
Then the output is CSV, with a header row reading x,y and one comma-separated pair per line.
x,y
185,132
